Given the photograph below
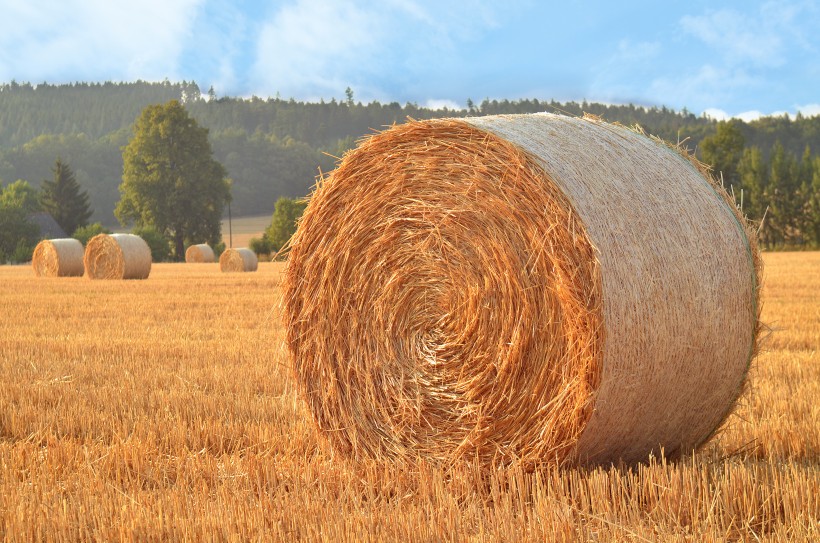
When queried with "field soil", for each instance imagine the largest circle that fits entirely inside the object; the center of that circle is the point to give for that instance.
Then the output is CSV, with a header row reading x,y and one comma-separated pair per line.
x,y
164,410
242,229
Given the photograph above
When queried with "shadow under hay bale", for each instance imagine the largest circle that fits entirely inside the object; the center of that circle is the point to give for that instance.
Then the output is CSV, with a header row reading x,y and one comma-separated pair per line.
x,y
199,253
117,256
58,258
532,288
238,260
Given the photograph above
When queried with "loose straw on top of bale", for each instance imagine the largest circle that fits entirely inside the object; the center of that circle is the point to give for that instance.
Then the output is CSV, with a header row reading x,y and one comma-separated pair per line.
x,y
58,258
530,288
200,253
117,256
238,260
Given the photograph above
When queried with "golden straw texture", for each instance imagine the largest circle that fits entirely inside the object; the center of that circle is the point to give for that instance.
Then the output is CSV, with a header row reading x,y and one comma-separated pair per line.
x,y
117,256
529,288
58,258
238,260
200,253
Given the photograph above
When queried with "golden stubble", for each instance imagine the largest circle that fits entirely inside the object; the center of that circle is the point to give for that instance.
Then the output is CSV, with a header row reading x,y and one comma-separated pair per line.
x,y
164,409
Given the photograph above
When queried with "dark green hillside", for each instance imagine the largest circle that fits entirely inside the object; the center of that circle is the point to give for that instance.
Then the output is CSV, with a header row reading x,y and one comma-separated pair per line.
x,y
275,147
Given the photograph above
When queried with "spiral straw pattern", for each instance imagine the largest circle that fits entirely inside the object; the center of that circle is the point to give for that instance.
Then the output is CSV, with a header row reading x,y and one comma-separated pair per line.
x,y
446,297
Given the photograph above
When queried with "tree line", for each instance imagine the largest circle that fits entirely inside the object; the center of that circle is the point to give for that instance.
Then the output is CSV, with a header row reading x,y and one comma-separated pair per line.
x,y
275,147
173,192
60,197
773,187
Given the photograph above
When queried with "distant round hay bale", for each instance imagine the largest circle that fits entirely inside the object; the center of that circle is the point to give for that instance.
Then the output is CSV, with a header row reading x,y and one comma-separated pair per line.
x,y
117,256
200,253
525,288
238,260
58,258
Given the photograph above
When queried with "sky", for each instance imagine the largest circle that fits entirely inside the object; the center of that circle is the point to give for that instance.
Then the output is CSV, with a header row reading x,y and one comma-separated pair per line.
x,y
725,59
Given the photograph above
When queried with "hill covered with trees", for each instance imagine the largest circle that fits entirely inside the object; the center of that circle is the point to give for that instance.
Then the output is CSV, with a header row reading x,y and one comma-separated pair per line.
x,y
276,147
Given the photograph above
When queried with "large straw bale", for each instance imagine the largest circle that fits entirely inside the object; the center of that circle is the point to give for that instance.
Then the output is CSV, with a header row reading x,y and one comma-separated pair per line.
x,y
117,256
238,260
200,253
58,258
532,288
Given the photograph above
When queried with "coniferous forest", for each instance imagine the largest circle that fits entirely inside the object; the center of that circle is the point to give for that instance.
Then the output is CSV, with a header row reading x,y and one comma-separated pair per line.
x,y
276,147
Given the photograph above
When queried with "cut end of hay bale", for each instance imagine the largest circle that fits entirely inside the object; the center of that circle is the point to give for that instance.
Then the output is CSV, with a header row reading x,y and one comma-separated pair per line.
x,y
117,256
238,260
528,288
58,258
199,253
446,293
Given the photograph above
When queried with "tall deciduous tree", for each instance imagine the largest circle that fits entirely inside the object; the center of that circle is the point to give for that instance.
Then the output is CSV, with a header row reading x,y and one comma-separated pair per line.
x,y
21,194
170,179
64,200
283,223
17,235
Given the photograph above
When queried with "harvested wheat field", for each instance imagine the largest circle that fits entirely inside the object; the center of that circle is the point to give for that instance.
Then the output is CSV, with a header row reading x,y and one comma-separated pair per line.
x,y
134,410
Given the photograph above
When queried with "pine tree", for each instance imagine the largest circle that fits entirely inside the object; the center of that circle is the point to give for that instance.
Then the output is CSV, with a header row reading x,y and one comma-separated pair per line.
x,y
753,174
62,198
814,203
803,196
723,151
782,196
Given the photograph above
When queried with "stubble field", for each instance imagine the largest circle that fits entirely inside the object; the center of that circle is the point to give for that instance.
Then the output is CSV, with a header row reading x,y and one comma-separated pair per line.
x,y
164,410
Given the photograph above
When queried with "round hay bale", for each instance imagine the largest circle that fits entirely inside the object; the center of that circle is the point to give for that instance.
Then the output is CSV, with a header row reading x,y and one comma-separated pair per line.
x,y
58,258
200,253
525,288
117,256
238,260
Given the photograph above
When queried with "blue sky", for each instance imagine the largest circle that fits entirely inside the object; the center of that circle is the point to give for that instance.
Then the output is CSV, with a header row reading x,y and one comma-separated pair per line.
x,y
743,58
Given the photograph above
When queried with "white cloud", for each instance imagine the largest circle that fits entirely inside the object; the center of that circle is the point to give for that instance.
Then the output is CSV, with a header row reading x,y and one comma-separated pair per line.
x,y
809,110
737,37
631,59
317,48
305,43
744,50
441,104
215,53
450,21
749,116
710,84
93,39
753,115
642,51
716,114
723,59
748,50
